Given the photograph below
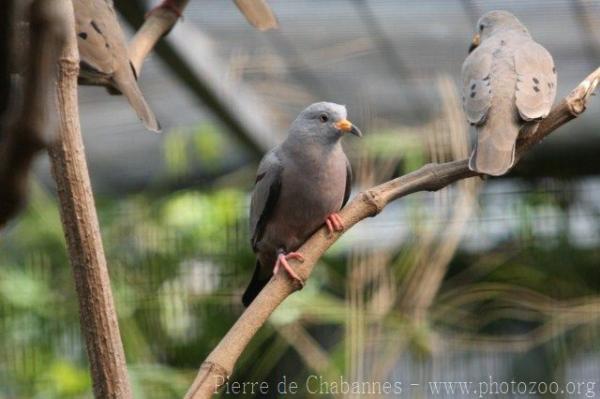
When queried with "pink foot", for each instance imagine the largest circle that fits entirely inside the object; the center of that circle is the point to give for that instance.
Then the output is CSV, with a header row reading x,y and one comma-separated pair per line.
x,y
170,5
334,223
282,261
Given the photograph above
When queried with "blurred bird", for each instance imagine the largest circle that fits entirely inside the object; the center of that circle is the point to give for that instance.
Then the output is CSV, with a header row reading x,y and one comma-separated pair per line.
x,y
300,184
104,59
508,80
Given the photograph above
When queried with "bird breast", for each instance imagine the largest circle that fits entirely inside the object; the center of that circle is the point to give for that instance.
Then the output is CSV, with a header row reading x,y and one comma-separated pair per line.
x,y
311,189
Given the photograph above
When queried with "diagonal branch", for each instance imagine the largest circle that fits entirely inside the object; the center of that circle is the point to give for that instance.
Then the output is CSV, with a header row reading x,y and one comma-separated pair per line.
x,y
220,362
158,23
258,14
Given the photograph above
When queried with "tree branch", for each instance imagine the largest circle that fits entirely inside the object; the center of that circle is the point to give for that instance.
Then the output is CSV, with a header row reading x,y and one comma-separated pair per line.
x,y
258,14
23,136
158,23
82,231
78,213
219,364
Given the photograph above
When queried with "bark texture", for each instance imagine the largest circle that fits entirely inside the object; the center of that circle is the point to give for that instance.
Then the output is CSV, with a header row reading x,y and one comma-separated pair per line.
x,y
82,231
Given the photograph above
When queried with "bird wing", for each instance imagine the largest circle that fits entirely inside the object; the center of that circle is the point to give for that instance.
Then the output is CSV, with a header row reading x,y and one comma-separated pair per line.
x,y
265,194
476,89
94,24
536,83
104,56
348,183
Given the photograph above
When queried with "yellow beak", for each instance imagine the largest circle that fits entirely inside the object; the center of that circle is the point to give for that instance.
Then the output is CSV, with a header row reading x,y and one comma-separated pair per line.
x,y
475,42
347,127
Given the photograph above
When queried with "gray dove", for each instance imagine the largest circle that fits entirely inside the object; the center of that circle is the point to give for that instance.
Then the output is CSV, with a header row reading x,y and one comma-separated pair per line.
x,y
104,59
508,80
300,184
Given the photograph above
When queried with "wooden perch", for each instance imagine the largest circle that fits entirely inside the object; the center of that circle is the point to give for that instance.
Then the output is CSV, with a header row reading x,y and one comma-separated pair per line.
x,y
219,364
82,231
158,23
80,221
258,14
26,135
199,68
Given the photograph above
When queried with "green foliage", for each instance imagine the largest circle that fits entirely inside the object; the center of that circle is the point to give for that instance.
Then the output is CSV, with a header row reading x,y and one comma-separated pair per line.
x,y
167,257
178,263
186,149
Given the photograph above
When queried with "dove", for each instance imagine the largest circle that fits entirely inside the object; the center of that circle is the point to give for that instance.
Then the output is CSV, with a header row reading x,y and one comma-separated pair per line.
x,y
507,80
104,59
300,185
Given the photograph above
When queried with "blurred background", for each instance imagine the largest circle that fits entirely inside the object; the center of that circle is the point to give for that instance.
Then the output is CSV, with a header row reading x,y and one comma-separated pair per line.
x,y
495,278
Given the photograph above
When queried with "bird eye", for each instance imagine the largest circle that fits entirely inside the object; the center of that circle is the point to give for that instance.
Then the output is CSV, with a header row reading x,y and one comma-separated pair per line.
x,y
481,27
323,118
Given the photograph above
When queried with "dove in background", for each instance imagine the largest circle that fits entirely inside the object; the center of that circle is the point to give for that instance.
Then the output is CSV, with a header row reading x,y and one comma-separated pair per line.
x,y
104,59
508,79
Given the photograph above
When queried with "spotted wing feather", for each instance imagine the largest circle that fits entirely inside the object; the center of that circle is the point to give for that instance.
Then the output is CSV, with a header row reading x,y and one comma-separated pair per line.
x,y
104,57
536,83
97,29
476,88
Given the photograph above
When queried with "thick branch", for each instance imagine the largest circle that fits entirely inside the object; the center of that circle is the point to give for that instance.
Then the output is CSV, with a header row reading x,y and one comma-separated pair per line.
x,y
161,20
80,223
220,362
24,136
78,213
199,68
158,23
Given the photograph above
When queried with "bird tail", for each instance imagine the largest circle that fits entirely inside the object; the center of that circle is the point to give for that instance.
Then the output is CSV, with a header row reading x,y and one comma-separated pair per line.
x,y
494,152
257,283
131,90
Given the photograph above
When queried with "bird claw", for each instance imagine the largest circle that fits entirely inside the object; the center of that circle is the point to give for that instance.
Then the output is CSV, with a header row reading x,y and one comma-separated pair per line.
x,y
282,261
334,223
169,5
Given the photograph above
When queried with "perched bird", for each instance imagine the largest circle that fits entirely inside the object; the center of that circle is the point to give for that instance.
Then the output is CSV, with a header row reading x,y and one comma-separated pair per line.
x,y
508,80
103,55
300,184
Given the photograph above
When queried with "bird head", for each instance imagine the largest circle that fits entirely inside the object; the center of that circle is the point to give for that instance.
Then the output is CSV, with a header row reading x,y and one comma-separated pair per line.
x,y
324,122
493,22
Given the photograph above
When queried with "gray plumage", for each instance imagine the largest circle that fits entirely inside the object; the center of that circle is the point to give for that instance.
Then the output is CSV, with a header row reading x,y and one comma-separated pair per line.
x,y
299,183
104,59
508,80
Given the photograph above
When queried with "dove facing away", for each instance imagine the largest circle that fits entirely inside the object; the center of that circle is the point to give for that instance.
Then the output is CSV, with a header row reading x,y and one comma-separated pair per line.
x,y
300,184
508,80
104,59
